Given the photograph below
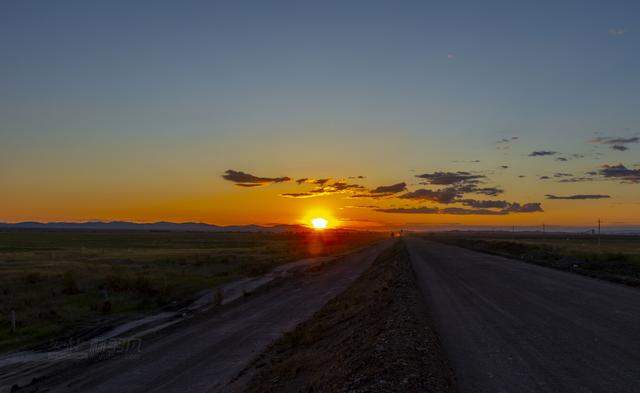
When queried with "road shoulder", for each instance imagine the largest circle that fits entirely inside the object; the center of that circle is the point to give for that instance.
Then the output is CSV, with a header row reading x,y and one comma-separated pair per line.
x,y
375,336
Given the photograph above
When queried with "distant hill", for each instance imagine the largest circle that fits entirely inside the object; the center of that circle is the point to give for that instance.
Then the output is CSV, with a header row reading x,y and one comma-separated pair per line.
x,y
155,226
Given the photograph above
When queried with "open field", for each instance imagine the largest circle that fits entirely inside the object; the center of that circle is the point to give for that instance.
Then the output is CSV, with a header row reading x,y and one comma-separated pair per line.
x,y
61,281
615,258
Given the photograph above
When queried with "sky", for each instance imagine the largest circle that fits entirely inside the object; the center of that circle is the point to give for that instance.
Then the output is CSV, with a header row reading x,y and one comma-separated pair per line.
x,y
489,113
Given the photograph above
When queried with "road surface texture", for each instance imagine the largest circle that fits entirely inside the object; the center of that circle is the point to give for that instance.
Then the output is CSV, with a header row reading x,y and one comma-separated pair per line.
x,y
509,326
202,356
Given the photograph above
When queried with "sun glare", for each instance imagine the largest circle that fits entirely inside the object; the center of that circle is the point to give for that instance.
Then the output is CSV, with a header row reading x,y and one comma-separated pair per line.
x,y
319,223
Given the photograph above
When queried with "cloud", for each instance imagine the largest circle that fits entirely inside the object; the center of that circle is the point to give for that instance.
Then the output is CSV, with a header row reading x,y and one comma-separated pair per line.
x,y
324,188
445,195
576,180
563,159
541,153
506,207
461,211
247,180
300,195
489,191
619,147
615,143
620,172
249,184
578,196
450,178
460,182
392,189
480,204
525,208
504,166
413,210
544,177
617,32
505,143
621,141
339,186
307,180
569,178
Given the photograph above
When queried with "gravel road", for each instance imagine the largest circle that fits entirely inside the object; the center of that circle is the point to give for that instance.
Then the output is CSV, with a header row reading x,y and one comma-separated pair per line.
x,y
203,355
509,326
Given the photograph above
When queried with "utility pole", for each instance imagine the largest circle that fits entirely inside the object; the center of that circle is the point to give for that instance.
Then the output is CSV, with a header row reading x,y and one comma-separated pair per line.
x,y
599,232
544,228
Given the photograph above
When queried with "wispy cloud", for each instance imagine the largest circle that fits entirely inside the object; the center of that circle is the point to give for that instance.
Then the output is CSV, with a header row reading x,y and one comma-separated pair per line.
x,y
578,196
392,189
244,179
505,143
483,204
617,31
461,211
616,143
542,153
319,182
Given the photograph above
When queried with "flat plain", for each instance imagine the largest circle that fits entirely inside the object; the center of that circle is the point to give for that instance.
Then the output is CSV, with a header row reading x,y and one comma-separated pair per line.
x,y
67,281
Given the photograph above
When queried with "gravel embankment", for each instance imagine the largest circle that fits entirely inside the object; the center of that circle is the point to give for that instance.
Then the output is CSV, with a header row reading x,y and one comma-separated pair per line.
x,y
374,337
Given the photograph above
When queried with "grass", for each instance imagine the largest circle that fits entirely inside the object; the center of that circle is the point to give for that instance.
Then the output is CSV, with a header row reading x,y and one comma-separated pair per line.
x,y
615,258
58,282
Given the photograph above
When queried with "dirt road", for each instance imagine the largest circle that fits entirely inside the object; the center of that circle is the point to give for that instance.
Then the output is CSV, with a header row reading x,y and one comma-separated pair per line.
x,y
509,326
203,356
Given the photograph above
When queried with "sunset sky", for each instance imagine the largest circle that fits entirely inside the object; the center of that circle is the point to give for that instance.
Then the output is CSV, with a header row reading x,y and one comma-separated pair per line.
x,y
396,113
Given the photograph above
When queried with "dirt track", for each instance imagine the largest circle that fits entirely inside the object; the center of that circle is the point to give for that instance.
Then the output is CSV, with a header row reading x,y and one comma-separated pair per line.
x,y
509,326
205,354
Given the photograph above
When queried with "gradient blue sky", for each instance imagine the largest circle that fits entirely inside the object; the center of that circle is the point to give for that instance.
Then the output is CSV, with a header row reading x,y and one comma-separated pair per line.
x,y
120,106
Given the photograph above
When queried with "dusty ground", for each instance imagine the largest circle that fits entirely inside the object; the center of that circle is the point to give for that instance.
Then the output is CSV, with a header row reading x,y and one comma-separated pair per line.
x,y
374,337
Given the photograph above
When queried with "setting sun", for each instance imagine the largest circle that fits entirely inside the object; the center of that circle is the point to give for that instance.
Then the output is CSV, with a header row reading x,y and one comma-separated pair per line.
x,y
319,223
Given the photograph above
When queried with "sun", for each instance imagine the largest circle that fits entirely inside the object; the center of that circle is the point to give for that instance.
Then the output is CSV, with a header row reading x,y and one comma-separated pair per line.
x,y
319,223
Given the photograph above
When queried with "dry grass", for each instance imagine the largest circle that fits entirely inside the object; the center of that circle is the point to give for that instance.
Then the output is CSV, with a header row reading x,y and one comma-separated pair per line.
x,y
614,258
58,281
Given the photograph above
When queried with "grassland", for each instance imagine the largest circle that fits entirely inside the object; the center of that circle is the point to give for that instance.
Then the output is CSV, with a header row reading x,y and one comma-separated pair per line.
x,y
61,281
610,257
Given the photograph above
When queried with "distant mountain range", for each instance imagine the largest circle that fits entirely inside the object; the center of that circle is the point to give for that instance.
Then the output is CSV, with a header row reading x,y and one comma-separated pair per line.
x,y
154,226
